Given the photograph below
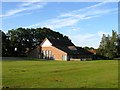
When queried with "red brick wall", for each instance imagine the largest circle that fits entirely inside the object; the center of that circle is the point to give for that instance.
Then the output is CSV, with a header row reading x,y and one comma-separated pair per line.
x,y
55,51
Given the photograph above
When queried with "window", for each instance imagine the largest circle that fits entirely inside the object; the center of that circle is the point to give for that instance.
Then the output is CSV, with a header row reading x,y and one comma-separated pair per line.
x,y
43,54
47,54
50,54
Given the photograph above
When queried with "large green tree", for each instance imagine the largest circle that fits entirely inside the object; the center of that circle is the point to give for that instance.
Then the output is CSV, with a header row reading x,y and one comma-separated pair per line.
x,y
109,45
118,46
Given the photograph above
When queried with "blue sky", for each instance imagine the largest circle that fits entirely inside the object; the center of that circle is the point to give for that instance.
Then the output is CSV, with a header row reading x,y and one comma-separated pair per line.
x,y
83,22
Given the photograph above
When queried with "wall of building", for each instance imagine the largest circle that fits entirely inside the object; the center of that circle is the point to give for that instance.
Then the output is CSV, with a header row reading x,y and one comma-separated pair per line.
x,y
34,53
81,57
86,57
56,53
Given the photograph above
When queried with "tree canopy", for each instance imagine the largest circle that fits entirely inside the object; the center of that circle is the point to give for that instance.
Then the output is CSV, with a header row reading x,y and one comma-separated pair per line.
x,y
17,41
89,48
110,45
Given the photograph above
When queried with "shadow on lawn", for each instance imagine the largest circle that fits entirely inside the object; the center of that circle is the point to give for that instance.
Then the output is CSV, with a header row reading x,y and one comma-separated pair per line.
x,y
22,59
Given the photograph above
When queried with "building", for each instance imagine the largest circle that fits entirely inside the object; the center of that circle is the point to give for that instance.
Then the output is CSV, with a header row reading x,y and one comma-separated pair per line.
x,y
92,51
57,49
85,54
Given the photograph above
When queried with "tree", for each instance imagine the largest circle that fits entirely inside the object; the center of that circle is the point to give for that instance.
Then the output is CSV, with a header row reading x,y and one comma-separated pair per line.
x,y
109,45
5,44
102,46
118,46
89,48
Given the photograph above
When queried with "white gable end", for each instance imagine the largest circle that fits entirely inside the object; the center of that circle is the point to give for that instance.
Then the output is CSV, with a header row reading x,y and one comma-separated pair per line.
x,y
46,43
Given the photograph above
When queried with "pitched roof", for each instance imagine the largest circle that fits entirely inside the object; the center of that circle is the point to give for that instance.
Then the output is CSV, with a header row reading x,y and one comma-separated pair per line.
x,y
83,51
92,51
64,45
60,42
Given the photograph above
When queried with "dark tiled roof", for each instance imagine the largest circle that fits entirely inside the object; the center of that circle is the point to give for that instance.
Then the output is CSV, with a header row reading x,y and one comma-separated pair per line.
x,y
92,51
60,42
83,51
64,45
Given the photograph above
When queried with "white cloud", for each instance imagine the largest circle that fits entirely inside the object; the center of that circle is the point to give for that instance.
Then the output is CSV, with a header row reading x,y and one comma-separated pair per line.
x,y
73,17
28,2
100,33
12,12
59,23
91,40
74,13
24,7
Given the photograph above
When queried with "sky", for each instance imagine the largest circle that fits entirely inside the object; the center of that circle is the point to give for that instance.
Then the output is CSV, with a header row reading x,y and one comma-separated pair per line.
x,y
83,22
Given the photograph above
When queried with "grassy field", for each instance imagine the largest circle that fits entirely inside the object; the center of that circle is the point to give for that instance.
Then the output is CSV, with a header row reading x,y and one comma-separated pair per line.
x,y
60,74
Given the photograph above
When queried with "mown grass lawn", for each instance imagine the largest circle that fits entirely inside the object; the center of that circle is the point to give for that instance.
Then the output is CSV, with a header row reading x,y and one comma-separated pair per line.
x,y
60,74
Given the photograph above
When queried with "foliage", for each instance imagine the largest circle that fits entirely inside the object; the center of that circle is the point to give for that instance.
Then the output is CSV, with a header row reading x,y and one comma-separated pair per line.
x,y
5,44
89,48
60,74
17,41
110,45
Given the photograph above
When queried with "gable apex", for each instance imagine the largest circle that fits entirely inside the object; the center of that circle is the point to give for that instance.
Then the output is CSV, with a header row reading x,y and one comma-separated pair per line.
x,y
46,43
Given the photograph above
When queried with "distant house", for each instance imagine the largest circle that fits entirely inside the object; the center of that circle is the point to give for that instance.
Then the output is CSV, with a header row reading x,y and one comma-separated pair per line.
x,y
92,51
85,54
57,49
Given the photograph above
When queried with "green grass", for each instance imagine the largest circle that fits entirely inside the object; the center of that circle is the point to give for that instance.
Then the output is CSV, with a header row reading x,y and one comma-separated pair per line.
x,y
60,74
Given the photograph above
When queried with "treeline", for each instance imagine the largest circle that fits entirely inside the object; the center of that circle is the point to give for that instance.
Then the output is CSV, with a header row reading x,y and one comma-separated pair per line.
x,y
110,46
17,42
